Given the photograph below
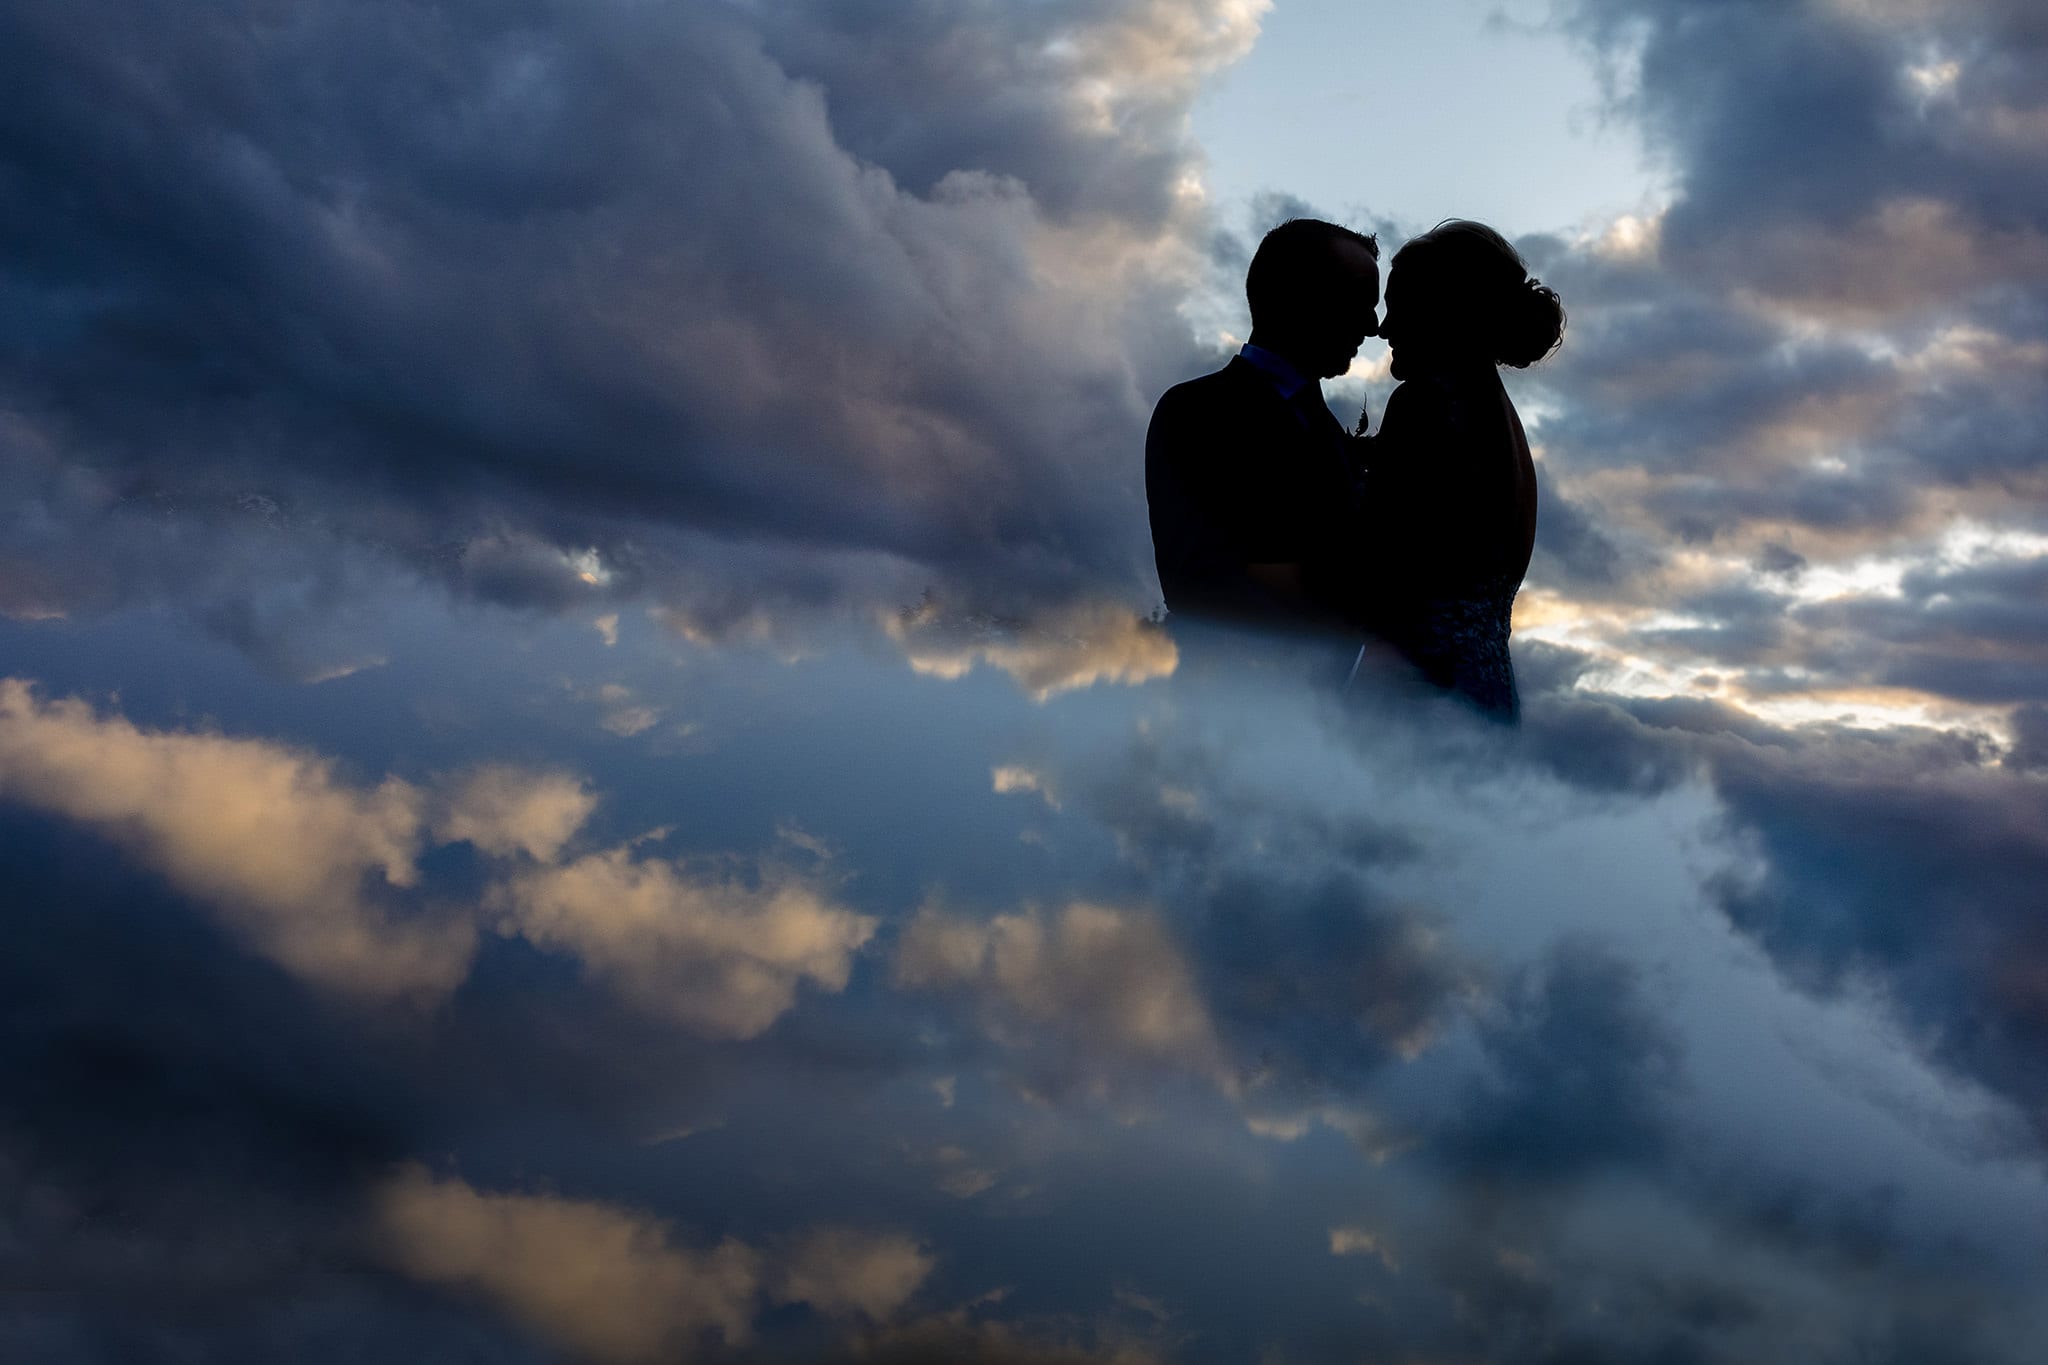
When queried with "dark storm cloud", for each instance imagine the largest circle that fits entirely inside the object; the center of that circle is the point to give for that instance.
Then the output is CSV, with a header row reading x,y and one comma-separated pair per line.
x,y
1971,633
1235,936
1921,863
182,1137
592,274
1583,1068
773,305
923,91
1288,1051
1912,857
1794,128
2029,751
1314,975
1572,547
194,1147
1978,633
1825,347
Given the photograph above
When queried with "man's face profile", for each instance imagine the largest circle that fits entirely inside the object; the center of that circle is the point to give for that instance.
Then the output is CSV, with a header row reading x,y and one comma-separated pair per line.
x,y
1334,310
1352,306
1314,291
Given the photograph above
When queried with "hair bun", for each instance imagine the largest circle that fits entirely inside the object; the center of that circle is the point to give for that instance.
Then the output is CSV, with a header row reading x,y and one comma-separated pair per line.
x,y
1533,327
1472,273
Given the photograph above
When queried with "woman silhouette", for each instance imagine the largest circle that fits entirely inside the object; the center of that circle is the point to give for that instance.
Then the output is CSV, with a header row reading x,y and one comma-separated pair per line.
x,y
1449,513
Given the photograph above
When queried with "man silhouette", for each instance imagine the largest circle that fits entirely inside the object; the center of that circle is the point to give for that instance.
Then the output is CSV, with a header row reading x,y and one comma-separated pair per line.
x,y
1248,477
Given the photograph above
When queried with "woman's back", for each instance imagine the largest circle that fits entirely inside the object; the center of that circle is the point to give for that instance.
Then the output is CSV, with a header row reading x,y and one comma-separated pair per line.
x,y
1451,487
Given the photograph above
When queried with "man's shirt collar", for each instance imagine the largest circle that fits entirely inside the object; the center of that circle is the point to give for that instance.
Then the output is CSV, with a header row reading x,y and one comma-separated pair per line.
x,y
1288,380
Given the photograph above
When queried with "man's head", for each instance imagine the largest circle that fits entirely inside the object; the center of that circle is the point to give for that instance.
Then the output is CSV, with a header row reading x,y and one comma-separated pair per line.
x,y
1314,288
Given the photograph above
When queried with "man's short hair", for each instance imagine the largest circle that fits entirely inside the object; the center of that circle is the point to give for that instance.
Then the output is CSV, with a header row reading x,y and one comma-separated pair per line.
x,y
1290,264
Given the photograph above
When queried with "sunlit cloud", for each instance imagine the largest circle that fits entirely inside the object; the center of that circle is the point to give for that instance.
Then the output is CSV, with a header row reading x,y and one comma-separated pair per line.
x,y
718,955
270,836
1356,1241
607,1282
504,810
617,1285
1009,778
1628,238
1084,997
846,1272
624,715
1060,653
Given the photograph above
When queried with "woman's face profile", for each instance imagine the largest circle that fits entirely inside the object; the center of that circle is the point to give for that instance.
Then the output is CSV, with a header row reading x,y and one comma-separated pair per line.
x,y
1419,329
1403,329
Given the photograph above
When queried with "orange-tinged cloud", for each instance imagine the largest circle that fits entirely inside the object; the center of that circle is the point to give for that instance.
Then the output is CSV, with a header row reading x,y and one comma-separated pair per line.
x,y
606,1282
845,1271
616,1285
1068,650
504,810
718,956
289,854
1112,983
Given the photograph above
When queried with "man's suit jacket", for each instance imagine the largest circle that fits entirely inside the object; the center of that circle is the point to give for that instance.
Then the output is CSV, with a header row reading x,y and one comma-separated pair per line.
x,y
1235,475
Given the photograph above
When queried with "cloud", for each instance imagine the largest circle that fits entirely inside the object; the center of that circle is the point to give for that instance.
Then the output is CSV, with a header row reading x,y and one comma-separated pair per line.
x,y
1355,1241
607,1282
1009,778
316,874
1085,996
614,1284
585,301
1312,976
1322,980
295,859
1582,1068
1061,652
1091,113
1903,856
1915,858
961,1337
720,956
1256,953
1814,349
844,1271
760,314
504,810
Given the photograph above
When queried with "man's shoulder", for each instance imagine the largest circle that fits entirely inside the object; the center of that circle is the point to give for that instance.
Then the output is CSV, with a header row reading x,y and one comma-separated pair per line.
x,y
1204,397
1198,389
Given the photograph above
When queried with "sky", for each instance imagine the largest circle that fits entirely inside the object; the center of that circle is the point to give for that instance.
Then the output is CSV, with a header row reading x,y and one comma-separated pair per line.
x,y
589,770
1417,113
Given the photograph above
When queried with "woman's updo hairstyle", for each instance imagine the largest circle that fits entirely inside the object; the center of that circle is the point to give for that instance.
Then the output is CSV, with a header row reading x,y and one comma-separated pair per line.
x,y
1476,280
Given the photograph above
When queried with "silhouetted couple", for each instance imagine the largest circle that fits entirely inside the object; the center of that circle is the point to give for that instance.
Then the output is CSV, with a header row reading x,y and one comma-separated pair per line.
x,y
1411,541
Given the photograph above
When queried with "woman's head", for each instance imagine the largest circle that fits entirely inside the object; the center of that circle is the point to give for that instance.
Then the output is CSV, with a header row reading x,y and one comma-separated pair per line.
x,y
1460,294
